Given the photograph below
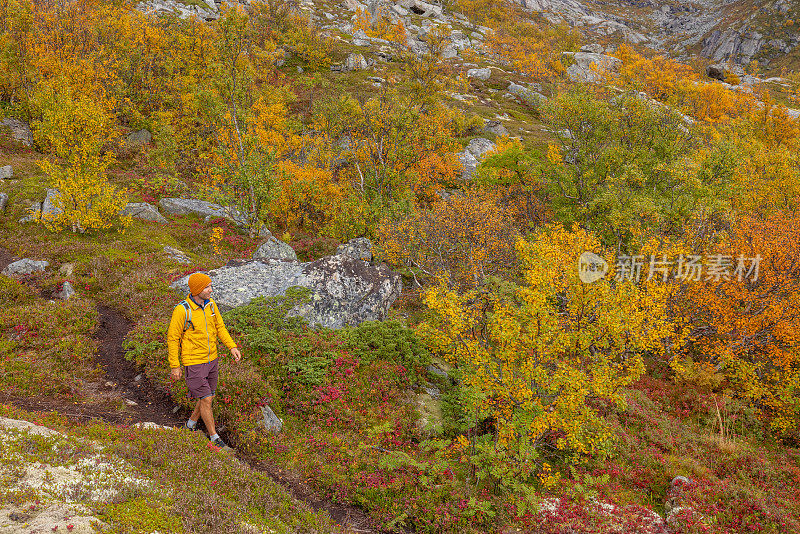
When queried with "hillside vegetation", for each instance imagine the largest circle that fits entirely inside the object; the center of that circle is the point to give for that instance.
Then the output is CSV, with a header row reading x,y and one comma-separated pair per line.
x,y
504,393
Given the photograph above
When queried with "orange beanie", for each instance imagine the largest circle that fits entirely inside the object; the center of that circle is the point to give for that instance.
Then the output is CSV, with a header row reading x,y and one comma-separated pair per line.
x,y
198,282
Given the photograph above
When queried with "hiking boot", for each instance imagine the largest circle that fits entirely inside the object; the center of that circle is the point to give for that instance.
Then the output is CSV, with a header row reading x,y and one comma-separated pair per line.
x,y
195,428
221,444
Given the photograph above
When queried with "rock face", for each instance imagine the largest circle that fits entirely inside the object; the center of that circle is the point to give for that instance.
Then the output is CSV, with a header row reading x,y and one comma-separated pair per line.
x,y
344,291
49,208
472,156
143,211
274,249
591,67
6,172
359,248
355,62
204,9
25,266
481,74
186,206
20,131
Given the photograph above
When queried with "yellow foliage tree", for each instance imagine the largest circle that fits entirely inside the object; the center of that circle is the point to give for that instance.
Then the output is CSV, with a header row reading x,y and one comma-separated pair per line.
x,y
538,357
75,127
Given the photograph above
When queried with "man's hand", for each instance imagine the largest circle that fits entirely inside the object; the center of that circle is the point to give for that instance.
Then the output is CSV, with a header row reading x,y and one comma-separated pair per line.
x,y
175,374
236,354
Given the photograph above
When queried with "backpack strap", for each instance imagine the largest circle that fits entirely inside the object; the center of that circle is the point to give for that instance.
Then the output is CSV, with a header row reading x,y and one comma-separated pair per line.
x,y
187,321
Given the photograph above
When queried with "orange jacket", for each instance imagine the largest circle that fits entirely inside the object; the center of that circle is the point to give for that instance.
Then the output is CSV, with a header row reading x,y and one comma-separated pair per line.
x,y
198,344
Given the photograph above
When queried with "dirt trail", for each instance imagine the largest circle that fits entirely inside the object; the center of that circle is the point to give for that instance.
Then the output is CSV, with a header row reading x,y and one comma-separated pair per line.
x,y
144,402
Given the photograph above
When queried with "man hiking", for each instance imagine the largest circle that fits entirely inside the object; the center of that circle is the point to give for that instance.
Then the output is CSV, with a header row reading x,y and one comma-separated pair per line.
x,y
192,341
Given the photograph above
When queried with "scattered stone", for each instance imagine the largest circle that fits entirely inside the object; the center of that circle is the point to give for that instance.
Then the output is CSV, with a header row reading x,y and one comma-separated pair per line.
x,y
27,426
139,138
400,10
202,9
593,48
187,206
717,72
149,425
526,95
138,378
359,248
270,421
6,172
143,211
34,213
481,74
130,402
433,391
3,201
344,291
110,385
591,67
436,371
20,130
49,208
67,269
472,154
376,79
274,249
25,266
67,291
495,127
175,409
177,256
355,62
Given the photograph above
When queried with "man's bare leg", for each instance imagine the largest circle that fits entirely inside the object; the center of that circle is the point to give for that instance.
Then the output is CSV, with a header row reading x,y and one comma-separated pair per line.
x,y
203,409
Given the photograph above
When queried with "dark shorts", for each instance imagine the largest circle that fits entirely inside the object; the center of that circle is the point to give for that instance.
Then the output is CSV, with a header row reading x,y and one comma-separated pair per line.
x,y
201,379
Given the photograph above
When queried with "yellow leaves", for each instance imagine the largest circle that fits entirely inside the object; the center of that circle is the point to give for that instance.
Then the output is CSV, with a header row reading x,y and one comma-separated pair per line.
x,y
554,154
542,349
532,49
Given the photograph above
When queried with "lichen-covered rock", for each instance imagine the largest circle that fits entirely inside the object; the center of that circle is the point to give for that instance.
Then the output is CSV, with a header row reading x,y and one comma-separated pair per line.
x,y
143,211
177,256
6,172
590,67
344,291
49,208
359,248
187,206
270,421
25,266
139,138
20,131
3,201
472,155
481,74
67,291
274,249
203,9
525,94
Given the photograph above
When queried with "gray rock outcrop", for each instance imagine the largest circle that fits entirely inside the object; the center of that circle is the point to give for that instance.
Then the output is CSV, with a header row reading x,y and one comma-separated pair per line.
x,y
25,266
178,256
67,291
355,62
481,74
591,67
139,138
3,201
344,291
202,9
472,156
495,127
20,131
191,206
143,211
525,94
270,421
359,248
49,208
274,249
6,172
